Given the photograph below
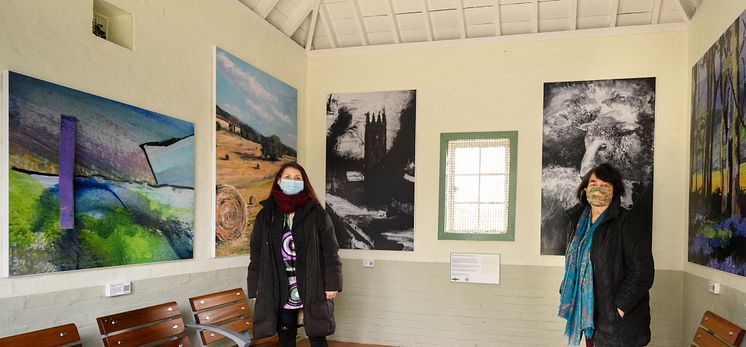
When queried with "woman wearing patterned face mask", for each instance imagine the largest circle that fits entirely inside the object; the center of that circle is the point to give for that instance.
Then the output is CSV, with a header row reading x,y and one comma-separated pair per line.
x,y
608,267
295,271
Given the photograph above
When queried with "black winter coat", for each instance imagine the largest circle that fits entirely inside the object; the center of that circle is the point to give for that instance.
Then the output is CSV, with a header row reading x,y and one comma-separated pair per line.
x,y
318,268
623,273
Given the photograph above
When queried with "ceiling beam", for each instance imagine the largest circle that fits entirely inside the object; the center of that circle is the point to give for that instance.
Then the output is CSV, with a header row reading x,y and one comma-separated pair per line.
x,y
498,19
656,13
394,24
428,21
360,25
613,12
326,22
296,18
312,29
573,14
686,10
535,11
461,19
265,7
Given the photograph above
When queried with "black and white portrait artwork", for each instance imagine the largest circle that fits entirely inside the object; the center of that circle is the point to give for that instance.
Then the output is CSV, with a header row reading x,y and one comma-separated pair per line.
x,y
588,123
370,172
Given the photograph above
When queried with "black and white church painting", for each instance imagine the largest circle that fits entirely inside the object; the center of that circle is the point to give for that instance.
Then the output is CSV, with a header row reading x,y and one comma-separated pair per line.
x,y
588,123
370,172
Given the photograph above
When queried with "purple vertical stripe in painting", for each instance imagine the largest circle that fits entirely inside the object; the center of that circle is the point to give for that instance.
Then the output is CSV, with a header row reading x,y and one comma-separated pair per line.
x,y
68,124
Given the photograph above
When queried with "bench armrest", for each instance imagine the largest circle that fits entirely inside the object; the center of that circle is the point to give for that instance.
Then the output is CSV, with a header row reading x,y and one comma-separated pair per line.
x,y
242,340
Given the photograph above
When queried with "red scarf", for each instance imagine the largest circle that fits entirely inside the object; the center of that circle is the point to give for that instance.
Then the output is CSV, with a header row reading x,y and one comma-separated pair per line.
x,y
289,203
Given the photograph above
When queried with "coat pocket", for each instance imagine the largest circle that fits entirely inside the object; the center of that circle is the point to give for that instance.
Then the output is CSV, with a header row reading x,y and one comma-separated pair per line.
x,y
613,316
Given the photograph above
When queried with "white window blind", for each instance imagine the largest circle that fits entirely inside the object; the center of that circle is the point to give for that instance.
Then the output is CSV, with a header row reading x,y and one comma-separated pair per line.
x,y
477,186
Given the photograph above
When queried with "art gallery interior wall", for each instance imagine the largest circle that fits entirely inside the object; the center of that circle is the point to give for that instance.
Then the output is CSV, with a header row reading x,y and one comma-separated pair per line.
x,y
706,27
496,87
499,87
169,70
406,299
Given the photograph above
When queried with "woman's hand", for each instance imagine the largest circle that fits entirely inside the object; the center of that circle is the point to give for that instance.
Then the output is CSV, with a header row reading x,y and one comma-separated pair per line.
x,y
330,295
621,313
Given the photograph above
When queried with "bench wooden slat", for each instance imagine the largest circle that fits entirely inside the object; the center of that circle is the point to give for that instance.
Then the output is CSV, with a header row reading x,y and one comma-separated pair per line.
x,y
129,319
216,299
182,342
148,334
49,337
223,313
704,339
239,326
724,329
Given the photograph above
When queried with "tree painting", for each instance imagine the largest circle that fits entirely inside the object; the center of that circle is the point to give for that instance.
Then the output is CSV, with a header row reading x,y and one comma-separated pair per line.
x,y
717,227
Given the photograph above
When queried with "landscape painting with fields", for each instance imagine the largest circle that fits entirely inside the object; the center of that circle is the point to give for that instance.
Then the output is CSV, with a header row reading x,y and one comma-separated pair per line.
x,y
255,133
717,194
93,182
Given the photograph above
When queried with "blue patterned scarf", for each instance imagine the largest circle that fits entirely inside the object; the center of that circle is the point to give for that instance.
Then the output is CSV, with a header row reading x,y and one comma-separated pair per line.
x,y
576,295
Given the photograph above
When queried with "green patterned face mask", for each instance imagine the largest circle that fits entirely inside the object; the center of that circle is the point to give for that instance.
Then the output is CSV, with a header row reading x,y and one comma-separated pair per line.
x,y
599,196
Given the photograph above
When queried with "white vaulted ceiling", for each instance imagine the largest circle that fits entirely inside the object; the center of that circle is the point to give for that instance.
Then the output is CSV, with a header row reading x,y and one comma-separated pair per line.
x,y
319,25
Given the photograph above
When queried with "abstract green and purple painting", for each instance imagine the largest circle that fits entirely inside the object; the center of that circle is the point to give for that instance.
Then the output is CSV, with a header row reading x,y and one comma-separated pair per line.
x,y
132,183
717,185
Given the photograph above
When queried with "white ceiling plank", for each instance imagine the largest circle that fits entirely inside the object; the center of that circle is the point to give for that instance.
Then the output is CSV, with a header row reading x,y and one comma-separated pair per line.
x,y
656,14
265,7
498,25
296,18
328,25
461,20
535,10
360,25
312,30
685,10
613,12
428,20
603,32
573,14
394,26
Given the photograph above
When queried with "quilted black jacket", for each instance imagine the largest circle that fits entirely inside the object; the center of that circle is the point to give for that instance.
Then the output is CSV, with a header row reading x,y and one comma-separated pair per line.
x,y
623,273
318,267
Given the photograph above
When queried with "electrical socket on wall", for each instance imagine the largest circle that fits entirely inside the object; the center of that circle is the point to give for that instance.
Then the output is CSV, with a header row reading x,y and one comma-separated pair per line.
x,y
713,287
117,289
368,263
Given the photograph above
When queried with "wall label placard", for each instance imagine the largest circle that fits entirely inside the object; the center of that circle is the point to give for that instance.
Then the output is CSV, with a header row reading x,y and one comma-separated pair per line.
x,y
475,268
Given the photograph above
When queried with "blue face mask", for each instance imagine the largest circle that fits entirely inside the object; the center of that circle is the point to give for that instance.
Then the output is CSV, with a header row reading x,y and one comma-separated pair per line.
x,y
291,187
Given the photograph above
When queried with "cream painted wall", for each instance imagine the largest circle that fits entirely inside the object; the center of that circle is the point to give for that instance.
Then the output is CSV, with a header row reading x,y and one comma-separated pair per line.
x,y
169,70
499,86
707,25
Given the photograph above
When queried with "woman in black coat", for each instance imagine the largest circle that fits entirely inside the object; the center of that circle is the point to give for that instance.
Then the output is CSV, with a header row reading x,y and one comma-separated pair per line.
x,y
295,271
609,266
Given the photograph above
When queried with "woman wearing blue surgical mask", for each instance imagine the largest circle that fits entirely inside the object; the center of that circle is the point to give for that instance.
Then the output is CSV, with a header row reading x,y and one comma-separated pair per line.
x,y
295,271
608,267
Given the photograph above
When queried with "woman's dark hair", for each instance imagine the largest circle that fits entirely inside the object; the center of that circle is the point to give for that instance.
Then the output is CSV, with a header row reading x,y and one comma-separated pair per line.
x,y
606,173
306,182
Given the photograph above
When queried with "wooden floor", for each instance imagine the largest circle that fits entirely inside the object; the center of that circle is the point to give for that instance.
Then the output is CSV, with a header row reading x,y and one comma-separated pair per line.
x,y
305,343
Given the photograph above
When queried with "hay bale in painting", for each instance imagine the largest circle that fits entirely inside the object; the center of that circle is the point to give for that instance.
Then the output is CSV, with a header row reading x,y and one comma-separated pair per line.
x,y
230,210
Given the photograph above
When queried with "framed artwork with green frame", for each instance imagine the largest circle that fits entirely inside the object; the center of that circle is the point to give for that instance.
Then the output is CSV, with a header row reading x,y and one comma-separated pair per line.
x,y
477,186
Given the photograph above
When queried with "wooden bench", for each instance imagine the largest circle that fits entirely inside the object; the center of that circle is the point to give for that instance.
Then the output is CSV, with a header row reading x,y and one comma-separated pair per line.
x,y
715,331
51,337
228,310
158,323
